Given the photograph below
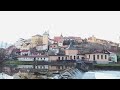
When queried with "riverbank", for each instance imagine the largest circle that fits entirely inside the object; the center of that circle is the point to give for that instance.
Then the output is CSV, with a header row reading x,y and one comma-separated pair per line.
x,y
106,67
95,66
16,62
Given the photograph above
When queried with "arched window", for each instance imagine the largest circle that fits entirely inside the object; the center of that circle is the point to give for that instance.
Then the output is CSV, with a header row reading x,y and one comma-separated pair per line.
x,y
105,56
101,56
58,58
89,56
97,56
74,57
66,57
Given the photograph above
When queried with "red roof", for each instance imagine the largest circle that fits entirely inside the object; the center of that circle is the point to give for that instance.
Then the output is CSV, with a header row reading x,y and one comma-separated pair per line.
x,y
24,50
57,39
32,56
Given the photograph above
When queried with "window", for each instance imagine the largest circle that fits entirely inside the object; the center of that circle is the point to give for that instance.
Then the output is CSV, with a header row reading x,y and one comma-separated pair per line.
x,y
70,57
94,57
97,56
66,58
44,58
74,57
41,58
58,58
62,58
77,57
101,56
105,56
89,56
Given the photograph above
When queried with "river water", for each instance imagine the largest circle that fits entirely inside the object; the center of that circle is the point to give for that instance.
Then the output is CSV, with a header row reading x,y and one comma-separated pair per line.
x,y
7,72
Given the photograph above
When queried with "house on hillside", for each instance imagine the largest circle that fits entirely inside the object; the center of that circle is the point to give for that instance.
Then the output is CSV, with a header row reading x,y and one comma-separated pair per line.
x,y
25,52
101,56
33,58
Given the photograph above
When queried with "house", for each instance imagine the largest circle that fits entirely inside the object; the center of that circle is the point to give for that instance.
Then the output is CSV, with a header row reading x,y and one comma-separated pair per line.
x,y
113,57
58,38
36,40
54,47
23,44
64,47
42,47
25,52
72,52
58,57
51,41
33,58
101,57
60,43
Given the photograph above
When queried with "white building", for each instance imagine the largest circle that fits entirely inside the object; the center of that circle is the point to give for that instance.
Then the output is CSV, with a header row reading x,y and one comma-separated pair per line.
x,y
23,44
102,57
60,43
51,41
113,57
25,52
32,58
42,47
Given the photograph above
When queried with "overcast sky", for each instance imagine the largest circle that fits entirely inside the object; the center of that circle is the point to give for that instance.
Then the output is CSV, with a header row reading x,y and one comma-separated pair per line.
x,y
24,24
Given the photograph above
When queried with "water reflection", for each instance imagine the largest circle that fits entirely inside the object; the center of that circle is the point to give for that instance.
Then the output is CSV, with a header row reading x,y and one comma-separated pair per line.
x,y
12,69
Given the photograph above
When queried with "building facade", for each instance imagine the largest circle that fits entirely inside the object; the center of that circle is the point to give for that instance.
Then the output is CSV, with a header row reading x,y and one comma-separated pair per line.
x,y
36,40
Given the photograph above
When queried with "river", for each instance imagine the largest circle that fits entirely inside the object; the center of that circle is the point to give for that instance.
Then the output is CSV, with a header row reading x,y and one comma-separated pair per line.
x,y
7,72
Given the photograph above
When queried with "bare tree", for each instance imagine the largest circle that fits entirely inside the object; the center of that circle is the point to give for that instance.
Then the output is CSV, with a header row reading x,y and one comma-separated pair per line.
x,y
2,54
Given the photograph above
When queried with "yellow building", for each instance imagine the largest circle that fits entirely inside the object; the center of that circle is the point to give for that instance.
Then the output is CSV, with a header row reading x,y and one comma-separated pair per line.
x,y
46,38
92,39
36,40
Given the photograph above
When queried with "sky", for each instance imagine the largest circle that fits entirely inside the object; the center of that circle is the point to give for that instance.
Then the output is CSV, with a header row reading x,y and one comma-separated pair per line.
x,y
24,24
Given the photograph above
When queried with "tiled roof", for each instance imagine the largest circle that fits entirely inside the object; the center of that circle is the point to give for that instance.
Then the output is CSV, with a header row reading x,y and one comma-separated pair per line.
x,y
33,56
71,47
24,50
99,51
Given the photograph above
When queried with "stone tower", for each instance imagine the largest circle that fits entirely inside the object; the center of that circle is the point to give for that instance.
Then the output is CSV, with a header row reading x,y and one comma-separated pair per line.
x,y
45,38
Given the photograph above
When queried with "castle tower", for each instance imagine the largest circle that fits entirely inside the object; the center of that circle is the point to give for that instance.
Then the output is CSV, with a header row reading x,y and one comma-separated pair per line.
x,y
36,40
93,38
45,38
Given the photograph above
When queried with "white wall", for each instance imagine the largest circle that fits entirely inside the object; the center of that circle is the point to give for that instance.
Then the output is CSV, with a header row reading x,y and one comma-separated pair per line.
x,y
44,47
60,44
23,53
32,59
42,67
113,57
25,59
98,60
42,59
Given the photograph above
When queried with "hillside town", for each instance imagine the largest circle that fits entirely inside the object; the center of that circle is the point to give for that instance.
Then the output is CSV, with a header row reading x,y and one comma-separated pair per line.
x,y
43,48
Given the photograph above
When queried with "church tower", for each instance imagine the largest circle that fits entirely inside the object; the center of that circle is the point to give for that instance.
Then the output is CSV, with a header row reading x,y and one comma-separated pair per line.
x,y
45,38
